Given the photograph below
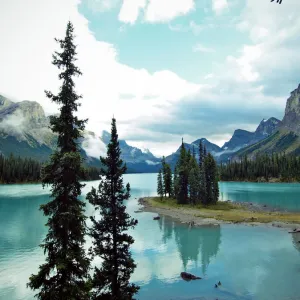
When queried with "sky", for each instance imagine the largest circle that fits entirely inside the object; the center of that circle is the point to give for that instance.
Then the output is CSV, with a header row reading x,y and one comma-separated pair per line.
x,y
166,69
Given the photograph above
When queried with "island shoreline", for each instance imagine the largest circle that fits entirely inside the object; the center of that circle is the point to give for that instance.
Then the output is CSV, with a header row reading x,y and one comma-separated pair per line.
x,y
189,215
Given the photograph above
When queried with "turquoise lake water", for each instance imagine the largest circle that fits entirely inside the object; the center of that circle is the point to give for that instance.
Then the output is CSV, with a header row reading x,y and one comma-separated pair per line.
x,y
251,262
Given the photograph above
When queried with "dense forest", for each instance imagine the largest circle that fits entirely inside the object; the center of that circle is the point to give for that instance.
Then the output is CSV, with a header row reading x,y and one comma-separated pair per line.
x,y
193,181
26,170
265,167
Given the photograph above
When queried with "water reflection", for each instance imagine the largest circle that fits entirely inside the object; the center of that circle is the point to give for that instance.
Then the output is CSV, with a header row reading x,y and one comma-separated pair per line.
x,y
296,240
192,243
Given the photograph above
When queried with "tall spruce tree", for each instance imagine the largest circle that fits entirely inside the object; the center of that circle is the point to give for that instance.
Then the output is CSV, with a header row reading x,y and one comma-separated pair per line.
x,y
211,175
202,178
65,272
194,180
160,188
176,183
168,189
182,167
164,172
111,241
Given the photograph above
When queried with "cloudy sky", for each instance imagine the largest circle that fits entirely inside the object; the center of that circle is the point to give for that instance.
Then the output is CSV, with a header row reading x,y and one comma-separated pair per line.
x,y
165,68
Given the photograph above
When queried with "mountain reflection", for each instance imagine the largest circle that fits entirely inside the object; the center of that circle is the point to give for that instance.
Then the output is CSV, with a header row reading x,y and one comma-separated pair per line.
x,y
192,243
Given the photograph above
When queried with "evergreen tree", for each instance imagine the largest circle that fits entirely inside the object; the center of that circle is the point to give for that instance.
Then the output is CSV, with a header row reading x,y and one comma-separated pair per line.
x,y
164,172
160,190
176,183
111,241
202,177
182,167
201,154
194,181
211,175
168,181
65,272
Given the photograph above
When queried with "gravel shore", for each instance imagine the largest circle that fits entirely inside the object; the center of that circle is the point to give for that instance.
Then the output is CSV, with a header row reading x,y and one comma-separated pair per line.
x,y
188,215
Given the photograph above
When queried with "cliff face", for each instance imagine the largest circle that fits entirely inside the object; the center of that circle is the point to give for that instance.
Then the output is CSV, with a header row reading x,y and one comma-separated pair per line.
x,y
291,120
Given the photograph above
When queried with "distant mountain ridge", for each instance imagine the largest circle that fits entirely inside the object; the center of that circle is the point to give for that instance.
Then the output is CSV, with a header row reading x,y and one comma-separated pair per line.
x,y
25,132
286,139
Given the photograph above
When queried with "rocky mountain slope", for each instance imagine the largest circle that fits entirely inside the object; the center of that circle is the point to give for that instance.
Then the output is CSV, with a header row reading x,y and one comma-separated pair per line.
x,y
287,136
243,138
212,148
24,131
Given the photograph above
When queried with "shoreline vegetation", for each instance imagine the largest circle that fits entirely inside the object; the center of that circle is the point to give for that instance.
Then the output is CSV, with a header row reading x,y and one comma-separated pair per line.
x,y
224,212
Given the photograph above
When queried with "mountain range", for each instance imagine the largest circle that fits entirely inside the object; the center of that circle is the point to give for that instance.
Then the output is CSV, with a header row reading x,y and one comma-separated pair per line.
x,y
25,132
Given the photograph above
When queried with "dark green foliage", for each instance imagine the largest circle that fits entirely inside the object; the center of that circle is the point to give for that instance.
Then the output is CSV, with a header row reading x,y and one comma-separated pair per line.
x,y
160,190
64,275
23,170
196,182
167,178
111,241
182,181
211,176
18,170
263,167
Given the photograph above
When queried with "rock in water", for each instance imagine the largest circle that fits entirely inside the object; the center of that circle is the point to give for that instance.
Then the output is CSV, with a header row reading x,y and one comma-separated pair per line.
x,y
188,276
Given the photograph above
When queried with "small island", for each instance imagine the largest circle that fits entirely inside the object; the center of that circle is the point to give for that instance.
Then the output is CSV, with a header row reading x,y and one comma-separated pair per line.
x,y
191,195
221,213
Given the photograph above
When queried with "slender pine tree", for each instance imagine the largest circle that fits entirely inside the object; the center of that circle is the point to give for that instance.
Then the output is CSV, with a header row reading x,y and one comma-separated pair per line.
x,y
111,240
182,167
202,177
160,189
168,180
194,180
65,272
211,175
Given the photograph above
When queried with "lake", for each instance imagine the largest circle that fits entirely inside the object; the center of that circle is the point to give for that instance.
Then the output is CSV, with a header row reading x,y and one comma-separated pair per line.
x,y
251,262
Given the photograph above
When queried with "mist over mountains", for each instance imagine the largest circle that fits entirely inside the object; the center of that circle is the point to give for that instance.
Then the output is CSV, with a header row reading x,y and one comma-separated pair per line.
x,y
25,132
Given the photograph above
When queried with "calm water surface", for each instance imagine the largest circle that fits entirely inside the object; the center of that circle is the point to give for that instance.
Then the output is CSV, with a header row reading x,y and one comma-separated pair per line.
x,y
251,262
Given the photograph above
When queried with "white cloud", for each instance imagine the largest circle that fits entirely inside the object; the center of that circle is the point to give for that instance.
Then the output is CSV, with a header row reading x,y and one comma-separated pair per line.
x,y
155,11
93,146
166,10
101,5
219,6
130,10
201,48
27,72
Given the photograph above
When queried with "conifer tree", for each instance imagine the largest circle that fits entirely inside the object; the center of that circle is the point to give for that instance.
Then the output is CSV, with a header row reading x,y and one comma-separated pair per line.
x,y
211,175
65,272
182,196
111,240
168,180
202,178
194,181
164,171
160,190
175,183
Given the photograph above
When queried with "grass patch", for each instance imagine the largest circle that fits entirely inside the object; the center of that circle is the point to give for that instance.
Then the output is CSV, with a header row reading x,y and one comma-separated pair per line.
x,y
224,211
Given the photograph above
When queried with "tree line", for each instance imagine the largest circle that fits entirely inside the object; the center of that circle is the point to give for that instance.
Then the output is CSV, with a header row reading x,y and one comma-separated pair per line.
x,y
27,170
264,167
193,182
67,273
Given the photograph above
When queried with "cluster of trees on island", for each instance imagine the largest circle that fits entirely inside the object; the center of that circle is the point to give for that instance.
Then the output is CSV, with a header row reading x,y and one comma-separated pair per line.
x,y
193,182
263,168
23,170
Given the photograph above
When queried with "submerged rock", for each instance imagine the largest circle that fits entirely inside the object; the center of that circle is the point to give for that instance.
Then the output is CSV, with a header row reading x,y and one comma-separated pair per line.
x,y
156,218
